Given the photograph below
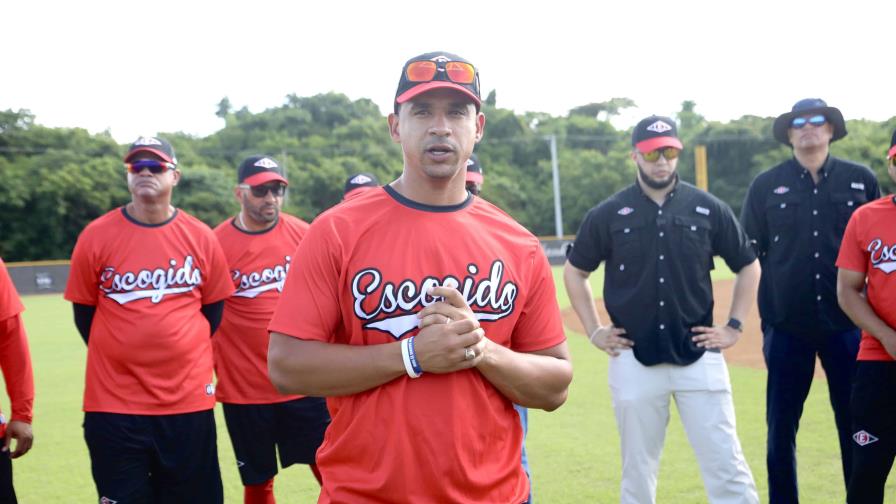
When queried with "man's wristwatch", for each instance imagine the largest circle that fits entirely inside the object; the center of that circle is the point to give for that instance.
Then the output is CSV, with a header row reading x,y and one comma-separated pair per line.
x,y
735,324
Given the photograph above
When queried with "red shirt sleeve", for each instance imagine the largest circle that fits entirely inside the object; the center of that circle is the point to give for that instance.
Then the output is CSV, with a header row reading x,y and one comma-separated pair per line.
x,y
83,276
852,255
15,360
216,286
309,305
540,325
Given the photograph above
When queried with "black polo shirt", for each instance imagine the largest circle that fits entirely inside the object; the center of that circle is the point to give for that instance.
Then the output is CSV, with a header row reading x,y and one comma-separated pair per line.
x,y
796,227
658,260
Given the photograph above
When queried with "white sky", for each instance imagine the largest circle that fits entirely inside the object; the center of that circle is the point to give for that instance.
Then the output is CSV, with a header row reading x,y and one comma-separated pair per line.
x,y
161,65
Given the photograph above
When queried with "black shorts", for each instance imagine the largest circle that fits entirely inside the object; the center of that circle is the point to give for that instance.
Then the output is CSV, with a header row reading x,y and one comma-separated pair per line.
x,y
7,493
294,428
873,406
154,458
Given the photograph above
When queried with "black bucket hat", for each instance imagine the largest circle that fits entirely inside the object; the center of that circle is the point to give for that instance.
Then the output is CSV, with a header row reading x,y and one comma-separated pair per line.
x,y
808,106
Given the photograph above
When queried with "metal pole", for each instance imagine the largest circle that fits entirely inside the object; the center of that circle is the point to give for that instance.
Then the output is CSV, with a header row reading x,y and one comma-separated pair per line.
x,y
558,211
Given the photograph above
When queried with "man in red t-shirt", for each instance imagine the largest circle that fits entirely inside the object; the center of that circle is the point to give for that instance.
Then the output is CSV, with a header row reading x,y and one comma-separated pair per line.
x,y
148,284
866,290
422,314
259,244
15,362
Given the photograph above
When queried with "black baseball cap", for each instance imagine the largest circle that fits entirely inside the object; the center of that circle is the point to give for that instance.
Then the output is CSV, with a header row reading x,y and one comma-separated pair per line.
x,y
474,170
261,169
156,145
655,132
360,181
408,89
892,151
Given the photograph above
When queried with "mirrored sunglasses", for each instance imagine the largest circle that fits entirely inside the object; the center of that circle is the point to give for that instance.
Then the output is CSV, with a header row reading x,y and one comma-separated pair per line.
x,y
669,153
155,166
456,71
816,120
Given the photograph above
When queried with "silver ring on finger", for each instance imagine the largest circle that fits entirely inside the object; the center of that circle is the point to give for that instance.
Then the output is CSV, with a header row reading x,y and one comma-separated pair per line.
x,y
469,353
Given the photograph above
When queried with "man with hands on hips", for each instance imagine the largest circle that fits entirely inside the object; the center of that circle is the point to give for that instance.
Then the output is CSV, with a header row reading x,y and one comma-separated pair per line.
x,y
657,239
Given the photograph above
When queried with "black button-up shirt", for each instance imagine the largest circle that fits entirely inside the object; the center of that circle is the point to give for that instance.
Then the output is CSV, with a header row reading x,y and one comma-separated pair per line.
x,y
796,227
658,260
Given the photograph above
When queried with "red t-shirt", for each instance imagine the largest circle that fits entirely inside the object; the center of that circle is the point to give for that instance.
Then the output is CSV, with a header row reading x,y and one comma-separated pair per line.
x,y
15,359
365,268
258,263
150,351
869,247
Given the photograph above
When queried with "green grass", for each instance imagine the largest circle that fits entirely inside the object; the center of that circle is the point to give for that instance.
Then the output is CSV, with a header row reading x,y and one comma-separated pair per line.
x,y
573,452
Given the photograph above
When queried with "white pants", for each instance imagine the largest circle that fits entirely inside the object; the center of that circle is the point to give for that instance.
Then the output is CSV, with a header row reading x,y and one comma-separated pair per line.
x,y
702,393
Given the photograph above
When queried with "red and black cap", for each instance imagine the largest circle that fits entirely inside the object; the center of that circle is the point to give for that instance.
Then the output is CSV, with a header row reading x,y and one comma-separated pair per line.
x,y
655,132
808,106
359,181
474,170
257,170
408,89
156,145
892,152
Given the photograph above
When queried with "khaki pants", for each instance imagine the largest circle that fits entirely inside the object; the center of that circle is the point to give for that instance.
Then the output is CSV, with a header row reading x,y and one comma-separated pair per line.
x,y
702,392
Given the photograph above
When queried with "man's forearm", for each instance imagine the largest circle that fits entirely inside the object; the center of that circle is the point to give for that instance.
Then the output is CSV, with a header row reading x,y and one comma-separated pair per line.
x,y
746,284
578,289
534,380
856,307
316,368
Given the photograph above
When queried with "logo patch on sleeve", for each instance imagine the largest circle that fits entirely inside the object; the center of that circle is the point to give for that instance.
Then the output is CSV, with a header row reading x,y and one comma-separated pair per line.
x,y
781,190
702,210
863,438
625,210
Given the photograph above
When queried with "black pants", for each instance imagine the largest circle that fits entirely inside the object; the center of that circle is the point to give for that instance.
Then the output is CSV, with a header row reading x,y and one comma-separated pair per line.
x,y
7,492
874,431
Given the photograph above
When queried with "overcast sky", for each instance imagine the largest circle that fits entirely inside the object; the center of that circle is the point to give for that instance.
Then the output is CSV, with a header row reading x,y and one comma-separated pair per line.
x,y
161,66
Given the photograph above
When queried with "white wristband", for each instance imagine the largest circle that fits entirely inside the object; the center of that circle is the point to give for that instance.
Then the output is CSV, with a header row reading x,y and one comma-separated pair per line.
x,y
406,357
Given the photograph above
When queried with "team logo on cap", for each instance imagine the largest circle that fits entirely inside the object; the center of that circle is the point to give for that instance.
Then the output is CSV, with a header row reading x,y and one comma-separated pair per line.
x,y
625,210
659,127
863,438
781,190
147,141
360,179
470,162
265,163
858,186
106,500
392,308
883,257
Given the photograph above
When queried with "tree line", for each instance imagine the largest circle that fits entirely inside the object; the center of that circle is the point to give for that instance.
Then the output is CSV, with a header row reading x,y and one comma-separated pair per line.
x,y
56,180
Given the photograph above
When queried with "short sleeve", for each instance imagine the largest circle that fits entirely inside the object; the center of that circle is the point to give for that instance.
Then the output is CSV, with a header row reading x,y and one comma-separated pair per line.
x,y
216,285
730,241
309,304
83,276
539,325
590,247
853,256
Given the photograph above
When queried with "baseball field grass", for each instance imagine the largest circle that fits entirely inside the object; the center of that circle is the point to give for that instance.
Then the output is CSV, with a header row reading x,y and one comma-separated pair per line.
x,y
573,452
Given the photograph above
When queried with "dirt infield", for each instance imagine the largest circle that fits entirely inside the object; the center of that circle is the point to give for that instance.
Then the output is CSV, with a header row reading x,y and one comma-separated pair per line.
x,y
747,352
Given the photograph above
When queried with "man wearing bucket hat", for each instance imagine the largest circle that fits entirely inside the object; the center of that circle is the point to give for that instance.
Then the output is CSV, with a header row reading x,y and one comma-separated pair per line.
x,y
420,339
795,214
866,289
657,239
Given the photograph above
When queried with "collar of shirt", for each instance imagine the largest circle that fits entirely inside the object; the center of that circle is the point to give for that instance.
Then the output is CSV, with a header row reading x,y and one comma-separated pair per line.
x,y
826,168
